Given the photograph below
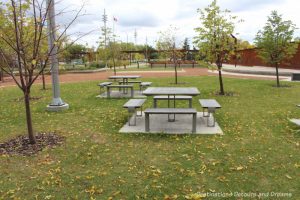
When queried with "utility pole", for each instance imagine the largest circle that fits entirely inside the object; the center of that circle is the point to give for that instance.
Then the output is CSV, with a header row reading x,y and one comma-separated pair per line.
x,y
104,19
57,103
146,50
135,36
135,41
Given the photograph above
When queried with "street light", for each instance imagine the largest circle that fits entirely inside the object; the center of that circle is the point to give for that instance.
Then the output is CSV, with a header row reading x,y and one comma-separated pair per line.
x,y
57,103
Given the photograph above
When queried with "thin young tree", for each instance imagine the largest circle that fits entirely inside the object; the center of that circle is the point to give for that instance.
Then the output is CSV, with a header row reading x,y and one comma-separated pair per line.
x,y
22,37
214,38
275,42
166,43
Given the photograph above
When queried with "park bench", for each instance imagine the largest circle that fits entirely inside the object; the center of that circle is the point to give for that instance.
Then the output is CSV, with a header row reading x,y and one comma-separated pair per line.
x,y
156,98
210,105
185,111
132,105
104,84
295,76
179,63
109,87
144,85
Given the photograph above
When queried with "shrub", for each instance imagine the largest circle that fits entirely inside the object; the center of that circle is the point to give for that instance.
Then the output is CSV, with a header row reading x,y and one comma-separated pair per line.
x,y
97,65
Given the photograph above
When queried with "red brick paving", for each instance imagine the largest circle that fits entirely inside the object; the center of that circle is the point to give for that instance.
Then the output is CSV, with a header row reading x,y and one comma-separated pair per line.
x,y
81,77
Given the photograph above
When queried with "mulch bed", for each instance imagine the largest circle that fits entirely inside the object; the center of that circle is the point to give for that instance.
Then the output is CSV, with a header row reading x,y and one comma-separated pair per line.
x,y
21,146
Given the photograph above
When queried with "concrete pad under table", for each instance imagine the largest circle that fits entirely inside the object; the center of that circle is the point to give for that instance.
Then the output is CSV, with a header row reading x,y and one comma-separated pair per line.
x,y
182,125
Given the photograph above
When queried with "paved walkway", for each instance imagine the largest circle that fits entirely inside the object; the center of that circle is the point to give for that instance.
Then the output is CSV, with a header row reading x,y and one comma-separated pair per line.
x,y
258,70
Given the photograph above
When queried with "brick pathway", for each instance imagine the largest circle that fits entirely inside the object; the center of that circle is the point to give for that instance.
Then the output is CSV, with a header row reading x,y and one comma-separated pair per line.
x,y
81,77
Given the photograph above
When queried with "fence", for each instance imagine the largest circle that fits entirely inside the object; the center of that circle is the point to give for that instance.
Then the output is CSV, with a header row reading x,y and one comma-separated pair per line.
x,y
249,57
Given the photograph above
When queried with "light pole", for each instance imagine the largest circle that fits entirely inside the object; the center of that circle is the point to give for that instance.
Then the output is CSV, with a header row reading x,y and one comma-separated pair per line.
x,y
57,103
104,19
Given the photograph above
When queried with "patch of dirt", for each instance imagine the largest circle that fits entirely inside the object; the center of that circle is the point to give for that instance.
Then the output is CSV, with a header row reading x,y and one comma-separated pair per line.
x,y
99,139
21,146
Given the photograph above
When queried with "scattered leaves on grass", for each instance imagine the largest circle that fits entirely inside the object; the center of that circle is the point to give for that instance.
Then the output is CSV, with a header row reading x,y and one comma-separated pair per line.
x,y
195,196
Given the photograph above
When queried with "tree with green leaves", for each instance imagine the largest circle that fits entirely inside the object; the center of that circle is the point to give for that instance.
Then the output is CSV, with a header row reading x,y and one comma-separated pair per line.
x,y
275,41
214,38
74,51
22,40
166,43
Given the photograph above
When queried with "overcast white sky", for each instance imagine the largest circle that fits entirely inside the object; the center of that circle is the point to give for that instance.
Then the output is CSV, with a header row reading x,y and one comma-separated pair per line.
x,y
149,17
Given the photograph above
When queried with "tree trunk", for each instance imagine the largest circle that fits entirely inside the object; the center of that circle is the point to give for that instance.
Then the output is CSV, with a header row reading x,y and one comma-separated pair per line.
x,y
221,81
176,79
1,75
28,117
115,72
138,64
277,75
43,79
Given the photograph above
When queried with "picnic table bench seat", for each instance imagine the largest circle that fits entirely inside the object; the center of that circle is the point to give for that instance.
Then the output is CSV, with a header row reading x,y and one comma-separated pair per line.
x,y
164,97
150,111
121,82
109,87
144,84
104,84
132,105
210,105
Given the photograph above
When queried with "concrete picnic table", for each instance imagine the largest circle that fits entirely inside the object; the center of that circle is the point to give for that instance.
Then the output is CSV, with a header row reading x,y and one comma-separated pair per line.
x,y
124,78
171,92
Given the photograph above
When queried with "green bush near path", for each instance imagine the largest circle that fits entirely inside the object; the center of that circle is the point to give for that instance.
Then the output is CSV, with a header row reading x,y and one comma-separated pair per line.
x,y
258,153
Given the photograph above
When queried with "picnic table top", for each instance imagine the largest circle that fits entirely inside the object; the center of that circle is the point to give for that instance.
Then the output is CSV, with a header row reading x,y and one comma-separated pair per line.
x,y
125,76
192,91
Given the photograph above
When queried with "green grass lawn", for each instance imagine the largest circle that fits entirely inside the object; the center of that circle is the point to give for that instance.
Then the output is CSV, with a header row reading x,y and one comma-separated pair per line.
x,y
258,153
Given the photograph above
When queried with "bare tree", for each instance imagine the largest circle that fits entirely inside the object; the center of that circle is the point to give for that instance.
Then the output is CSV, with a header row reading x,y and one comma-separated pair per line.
x,y
167,44
23,35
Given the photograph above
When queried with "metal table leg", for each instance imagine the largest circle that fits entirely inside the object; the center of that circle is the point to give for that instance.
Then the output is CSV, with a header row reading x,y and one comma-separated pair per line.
x,y
210,112
174,104
132,110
